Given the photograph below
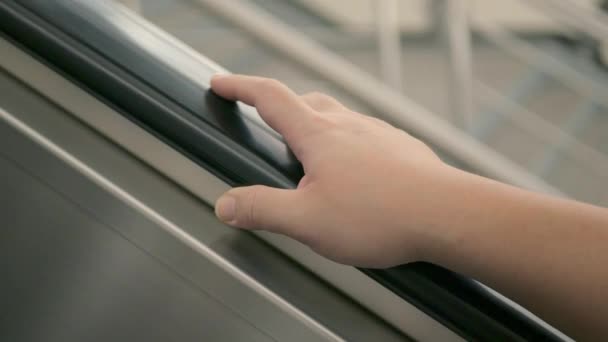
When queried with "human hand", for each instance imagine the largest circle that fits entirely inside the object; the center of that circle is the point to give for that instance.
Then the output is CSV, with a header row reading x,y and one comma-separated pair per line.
x,y
369,192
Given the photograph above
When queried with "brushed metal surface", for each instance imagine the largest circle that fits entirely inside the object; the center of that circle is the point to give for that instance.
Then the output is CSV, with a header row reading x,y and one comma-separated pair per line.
x,y
69,277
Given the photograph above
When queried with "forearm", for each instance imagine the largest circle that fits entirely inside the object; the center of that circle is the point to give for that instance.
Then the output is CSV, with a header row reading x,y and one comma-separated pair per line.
x,y
547,254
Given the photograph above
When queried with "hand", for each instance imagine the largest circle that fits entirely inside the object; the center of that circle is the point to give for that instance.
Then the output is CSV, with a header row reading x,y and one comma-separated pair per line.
x,y
373,196
369,190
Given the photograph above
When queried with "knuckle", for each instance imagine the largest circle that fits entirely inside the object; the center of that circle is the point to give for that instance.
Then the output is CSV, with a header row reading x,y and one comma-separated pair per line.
x,y
271,85
324,122
377,121
320,96
322,99
312,238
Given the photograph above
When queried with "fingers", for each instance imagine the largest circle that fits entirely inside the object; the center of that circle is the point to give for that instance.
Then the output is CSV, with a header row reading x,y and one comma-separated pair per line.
x,y
278,106
260,207
321,102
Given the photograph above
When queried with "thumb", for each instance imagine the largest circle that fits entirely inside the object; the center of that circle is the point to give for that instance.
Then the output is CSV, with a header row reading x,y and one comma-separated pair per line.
x,y
258,207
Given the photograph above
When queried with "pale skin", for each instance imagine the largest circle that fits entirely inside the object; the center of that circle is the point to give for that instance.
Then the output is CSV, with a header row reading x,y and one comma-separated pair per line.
x,y
374,196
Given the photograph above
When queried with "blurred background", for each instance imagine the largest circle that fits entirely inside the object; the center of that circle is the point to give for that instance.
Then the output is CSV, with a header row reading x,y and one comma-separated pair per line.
x,y
527,79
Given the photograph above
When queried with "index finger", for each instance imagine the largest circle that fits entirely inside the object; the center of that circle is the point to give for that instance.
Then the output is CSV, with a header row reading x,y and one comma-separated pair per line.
x,y
278,106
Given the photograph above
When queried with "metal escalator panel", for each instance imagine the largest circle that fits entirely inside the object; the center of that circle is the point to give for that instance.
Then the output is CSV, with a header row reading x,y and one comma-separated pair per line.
x,y
131,92
78,279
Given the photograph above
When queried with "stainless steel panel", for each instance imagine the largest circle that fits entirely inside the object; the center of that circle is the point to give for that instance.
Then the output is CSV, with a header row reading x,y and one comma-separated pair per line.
x,y
69,277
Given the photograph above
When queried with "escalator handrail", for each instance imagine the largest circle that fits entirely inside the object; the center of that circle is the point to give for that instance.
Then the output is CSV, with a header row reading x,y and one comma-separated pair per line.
x,y
105,58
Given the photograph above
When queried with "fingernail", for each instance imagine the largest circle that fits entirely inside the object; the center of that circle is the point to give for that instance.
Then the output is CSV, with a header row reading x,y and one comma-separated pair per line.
x,y
225,209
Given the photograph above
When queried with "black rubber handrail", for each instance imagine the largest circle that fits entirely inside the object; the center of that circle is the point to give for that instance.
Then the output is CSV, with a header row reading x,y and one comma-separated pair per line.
x,y
100,55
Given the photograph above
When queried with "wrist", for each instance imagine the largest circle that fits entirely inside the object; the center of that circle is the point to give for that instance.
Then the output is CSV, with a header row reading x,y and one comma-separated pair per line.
x,y
460,202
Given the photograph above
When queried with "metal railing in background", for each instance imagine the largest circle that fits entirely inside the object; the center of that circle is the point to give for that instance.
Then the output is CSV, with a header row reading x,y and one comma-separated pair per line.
x,y
456,27
591,22
527,52
134,5
585,19
390,104
389,42
458,39
554,136
558,138
561,139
